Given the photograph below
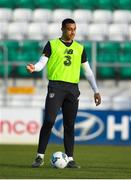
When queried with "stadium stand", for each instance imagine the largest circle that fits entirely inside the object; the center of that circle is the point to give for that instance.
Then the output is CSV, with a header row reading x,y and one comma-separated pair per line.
x,y
121,16
102,16
3,30
105,4
123,4
97,32
22,15
37,31
60,14
82,4
108,52
125,57
42,15
25,4
78,15
118,32
26,23
5,14
7,3
64,4
45,4
17,30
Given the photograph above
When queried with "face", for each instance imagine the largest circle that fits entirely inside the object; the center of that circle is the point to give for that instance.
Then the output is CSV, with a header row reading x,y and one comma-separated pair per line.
x,y
69,31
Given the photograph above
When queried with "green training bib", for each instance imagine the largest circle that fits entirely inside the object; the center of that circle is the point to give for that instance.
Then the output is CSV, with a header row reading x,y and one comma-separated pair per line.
x,y
65,62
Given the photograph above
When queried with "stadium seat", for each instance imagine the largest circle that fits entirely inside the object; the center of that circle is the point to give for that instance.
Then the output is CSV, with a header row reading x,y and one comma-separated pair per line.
x,y
125,57
122,16
54,30
29,50
17,30
123,4
107,52
102,16
42,15
85,4
1,53
2,70
129,33
105,4
81,31
23,73
3,30
7,3
45,4
59,14
82,16
25,4
64,4
22,15
37,31
5,14
97,32
118,32
13,47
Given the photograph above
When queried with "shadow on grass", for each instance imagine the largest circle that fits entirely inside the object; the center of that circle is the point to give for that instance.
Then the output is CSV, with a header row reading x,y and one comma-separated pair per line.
x,y
109,168
22,166
15,166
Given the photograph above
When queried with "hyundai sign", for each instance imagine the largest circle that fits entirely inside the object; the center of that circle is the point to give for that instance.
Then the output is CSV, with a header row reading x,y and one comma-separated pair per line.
x,y
97,127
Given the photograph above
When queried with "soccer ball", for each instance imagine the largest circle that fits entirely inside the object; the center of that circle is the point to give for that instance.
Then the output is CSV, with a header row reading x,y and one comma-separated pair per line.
x,y
59,160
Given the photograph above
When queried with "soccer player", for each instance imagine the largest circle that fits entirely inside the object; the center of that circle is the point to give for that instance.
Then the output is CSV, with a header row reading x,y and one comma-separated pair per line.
x,y
63,57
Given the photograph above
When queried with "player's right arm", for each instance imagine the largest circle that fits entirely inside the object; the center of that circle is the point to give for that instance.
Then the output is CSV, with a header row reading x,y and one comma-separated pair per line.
x,y
38,66
42,61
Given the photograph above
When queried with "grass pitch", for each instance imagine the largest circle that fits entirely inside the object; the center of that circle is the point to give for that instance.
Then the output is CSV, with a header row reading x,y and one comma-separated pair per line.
x,y
96,162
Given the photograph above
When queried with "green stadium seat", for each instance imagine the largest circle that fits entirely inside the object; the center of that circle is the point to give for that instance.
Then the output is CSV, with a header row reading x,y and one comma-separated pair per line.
x,y
12,46
123,4
107,52
7,4
2,70
85,4
64,4
25,4
105,4
30,50
125,57
23,73
1,54
12,49
45,4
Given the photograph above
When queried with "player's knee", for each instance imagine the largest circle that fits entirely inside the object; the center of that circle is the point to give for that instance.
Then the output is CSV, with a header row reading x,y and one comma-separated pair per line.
x,y
48,124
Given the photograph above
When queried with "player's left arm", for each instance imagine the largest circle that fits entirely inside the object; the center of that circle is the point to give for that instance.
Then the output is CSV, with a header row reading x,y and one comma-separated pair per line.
x,y
91,79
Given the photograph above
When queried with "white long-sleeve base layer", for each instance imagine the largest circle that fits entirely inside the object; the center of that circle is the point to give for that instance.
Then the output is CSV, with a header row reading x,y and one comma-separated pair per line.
x,y
87,70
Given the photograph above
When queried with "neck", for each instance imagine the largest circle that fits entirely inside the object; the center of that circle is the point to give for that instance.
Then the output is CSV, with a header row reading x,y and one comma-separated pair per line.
x,y
65,40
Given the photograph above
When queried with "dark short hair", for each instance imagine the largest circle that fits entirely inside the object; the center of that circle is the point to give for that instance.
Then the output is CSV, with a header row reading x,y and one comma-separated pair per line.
x,y
67,21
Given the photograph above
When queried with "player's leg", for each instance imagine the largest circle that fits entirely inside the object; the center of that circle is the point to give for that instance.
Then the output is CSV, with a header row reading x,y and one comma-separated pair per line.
x,y
69,109
52,106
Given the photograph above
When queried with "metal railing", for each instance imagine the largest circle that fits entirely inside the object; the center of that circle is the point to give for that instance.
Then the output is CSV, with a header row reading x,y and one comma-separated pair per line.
x,y
94,65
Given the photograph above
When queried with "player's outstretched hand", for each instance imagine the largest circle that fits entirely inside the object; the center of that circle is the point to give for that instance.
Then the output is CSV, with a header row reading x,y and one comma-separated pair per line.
x,y
30,68
97,99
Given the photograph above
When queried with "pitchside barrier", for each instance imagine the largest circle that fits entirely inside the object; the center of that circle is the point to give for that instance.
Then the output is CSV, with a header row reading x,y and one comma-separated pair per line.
x,y
22,126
